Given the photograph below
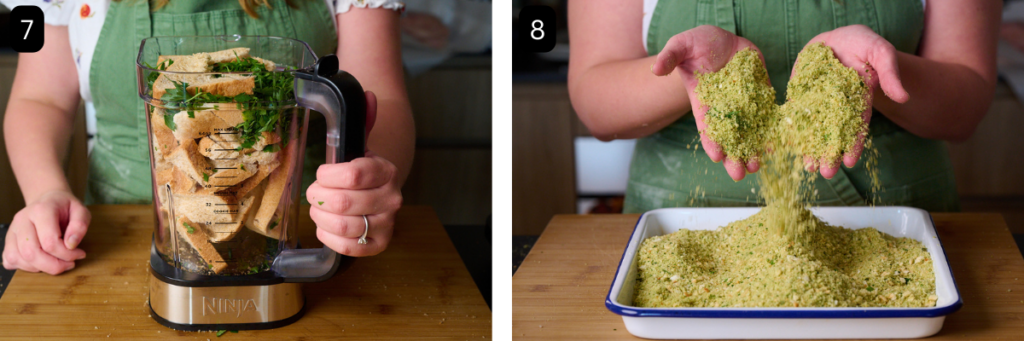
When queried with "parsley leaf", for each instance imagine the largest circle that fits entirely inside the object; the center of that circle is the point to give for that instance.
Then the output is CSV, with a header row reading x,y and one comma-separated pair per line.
x,y
189,227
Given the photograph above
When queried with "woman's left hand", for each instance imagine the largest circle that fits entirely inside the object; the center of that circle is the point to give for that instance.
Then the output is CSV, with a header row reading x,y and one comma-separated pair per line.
x,y
345,192
874,58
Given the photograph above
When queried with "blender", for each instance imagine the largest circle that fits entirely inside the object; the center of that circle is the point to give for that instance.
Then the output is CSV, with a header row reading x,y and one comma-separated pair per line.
x,y
226,120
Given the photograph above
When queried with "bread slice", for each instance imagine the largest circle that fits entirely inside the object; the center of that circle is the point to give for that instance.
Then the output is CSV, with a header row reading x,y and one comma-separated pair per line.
x,y
263,171
193,63
215,148
228,173
277,185
163,138
196,236
229,113
202,123
207,207
187,159
225,231
228,55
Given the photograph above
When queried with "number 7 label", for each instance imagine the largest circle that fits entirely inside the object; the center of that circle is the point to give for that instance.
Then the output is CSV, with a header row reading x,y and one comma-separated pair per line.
x,y
25,36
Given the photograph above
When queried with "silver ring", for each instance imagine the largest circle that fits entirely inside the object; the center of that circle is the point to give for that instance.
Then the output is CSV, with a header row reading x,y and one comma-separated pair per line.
x,y
366,222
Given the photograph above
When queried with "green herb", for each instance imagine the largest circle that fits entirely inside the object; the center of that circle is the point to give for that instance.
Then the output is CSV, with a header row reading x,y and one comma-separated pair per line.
x,y
189,227
221,332
321,203
273,224
870,288
242,167
169,121
206,177
247,64
178,98
271,148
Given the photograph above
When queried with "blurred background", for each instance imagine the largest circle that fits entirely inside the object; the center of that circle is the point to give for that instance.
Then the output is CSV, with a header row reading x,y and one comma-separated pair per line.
x,y
558,168
446,46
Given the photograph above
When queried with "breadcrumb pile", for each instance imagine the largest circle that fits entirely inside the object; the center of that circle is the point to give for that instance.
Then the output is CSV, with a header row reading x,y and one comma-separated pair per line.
x,y
745,264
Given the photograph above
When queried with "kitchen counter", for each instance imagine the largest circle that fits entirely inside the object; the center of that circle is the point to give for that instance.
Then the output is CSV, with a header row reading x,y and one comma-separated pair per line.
x,y
418,288
559,290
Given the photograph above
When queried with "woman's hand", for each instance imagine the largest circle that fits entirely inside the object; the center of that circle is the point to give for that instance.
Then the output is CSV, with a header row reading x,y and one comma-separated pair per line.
x,y
344,192
44,235
874,58
704,49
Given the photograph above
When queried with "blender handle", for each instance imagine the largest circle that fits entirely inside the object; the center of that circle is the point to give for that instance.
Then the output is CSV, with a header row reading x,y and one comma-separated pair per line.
x,y
338,96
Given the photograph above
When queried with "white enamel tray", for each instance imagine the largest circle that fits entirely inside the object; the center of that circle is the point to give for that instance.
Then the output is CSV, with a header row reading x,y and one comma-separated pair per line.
x,y
784,323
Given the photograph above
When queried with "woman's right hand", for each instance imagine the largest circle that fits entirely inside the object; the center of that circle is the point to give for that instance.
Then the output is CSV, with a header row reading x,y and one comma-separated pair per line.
x,y
704,49
44,235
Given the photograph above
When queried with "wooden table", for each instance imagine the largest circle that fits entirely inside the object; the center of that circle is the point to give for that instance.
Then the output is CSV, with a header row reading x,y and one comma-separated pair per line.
x,y
417,289
559,291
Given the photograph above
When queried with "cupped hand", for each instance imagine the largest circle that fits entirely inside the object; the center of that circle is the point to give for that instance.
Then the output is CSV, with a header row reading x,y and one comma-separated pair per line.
x,y
44,235
874,58
704,49
344,192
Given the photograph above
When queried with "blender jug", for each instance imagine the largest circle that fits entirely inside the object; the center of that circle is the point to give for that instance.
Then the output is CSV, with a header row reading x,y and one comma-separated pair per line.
x,y
226,120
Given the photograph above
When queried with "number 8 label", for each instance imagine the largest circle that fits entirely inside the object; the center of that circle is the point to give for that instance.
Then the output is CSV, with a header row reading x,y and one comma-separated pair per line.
x,y
537,28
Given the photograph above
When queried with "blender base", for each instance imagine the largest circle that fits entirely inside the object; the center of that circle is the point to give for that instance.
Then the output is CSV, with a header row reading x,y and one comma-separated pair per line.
x,y
225,307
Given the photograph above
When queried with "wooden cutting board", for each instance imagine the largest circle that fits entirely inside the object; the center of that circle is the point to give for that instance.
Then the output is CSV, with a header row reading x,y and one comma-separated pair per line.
x,y
418,288
559,291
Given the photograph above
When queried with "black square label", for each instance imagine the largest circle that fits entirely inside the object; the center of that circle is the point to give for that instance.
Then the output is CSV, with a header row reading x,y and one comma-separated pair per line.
x,y
537,28
25,29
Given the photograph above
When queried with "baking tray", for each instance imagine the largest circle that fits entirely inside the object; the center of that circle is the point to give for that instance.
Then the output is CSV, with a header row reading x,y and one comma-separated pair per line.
x,y
787,323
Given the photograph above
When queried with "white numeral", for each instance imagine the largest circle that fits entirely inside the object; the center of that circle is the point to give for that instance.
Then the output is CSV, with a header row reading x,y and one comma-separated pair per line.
x,y
29,28
537,29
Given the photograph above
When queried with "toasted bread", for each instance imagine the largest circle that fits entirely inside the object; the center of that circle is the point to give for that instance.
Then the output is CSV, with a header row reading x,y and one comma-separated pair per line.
x,y
242,189
274,229
188,160
225,231
229,113
207,207
277,186
228,55
163,138
203,123
181,183
195,234
213,149
229,173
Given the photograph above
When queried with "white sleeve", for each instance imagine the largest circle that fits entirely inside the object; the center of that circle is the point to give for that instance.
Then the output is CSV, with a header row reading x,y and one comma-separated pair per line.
x,y
342,6
55,12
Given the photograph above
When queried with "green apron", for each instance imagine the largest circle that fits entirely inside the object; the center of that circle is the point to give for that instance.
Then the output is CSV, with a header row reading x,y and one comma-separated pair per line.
x,y
119,166
670,169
